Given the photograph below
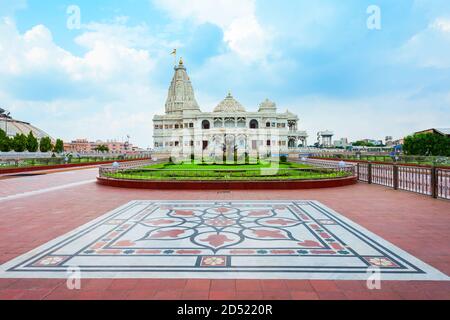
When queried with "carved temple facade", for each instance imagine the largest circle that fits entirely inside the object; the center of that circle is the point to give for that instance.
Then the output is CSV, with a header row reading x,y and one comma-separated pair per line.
x,y
184,128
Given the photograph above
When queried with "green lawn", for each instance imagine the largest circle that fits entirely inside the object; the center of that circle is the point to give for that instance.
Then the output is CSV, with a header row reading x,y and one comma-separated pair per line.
x,y
198,172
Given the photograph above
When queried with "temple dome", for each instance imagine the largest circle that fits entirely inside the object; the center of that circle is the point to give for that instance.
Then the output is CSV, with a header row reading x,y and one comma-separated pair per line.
x,y
229,104
267,106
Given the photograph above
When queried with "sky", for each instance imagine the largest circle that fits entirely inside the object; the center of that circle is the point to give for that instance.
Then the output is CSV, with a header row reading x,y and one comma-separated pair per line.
x,y
106,77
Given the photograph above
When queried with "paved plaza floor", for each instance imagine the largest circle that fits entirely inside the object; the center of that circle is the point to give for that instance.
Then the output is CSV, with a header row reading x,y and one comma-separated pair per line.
x,y
286,244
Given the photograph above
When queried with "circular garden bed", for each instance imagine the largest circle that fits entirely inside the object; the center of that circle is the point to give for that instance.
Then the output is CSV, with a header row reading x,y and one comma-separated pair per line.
x,y
202,176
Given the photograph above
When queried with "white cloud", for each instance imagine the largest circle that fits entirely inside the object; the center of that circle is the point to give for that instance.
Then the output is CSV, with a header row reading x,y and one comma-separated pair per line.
x,y
30,52
371,117
430,47
442,25
113,75
242,31
35,51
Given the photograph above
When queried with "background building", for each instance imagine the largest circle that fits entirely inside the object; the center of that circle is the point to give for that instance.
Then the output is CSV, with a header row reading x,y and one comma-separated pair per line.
x,y
12,126
389,141
85,146
325,139
440,131
341,143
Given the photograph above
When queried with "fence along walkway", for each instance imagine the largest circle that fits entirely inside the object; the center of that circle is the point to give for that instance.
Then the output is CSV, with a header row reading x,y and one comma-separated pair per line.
x,y
430,181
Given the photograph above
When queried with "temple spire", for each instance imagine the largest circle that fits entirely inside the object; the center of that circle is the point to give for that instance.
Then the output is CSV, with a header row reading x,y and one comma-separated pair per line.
x,y
181,96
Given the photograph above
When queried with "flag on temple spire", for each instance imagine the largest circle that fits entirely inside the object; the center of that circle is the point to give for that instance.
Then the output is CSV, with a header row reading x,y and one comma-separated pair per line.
x,y
174,54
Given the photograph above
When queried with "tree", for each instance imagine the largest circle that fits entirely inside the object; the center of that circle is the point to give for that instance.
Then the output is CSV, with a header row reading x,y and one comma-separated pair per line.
x,y
59,146
32,142
45,144
362,143
19,142
427,144
102,148
5,142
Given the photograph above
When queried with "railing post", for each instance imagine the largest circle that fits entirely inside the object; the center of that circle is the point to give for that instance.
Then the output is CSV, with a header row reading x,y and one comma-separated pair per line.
x,y
357,170
395,176
433,182
369,173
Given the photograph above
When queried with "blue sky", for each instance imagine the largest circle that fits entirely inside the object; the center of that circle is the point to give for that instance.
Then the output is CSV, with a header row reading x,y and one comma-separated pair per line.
x,y
315,58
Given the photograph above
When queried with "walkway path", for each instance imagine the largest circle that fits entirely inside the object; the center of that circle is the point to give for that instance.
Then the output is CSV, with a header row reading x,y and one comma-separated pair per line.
x,y
12,184
417,224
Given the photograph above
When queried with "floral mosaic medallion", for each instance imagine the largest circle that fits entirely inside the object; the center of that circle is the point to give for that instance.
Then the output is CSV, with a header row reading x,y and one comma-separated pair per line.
x,y
218,240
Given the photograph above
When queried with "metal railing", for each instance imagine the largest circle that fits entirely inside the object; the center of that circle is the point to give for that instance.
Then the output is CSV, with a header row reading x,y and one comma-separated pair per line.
x,y
382,174
442,183
121,166
224,174
432,181
48,161
11,155
384,157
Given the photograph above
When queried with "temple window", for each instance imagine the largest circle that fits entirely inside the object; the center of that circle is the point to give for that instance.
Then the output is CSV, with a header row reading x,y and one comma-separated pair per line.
x,y
253,124
292,125
205,125
230,123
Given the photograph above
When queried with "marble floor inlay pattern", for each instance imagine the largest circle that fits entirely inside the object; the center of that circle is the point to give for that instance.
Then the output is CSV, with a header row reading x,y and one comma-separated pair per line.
x,y
221,240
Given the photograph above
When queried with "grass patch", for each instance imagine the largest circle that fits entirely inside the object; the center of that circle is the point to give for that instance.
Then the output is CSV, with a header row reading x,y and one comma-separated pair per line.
x,y
224,172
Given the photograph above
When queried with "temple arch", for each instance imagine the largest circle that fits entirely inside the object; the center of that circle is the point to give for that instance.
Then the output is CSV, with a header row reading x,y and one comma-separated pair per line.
x,y
254,124
206,125
292,143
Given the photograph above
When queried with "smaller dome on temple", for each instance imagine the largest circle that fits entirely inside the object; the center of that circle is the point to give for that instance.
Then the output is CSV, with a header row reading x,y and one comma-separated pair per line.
x,y
267,106
229,104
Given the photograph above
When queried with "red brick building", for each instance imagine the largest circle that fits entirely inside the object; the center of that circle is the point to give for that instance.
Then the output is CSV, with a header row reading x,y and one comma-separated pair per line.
x,y
85,146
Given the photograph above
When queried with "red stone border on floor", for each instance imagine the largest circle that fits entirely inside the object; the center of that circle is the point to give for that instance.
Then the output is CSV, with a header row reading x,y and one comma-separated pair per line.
x,y
227,185
62,166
